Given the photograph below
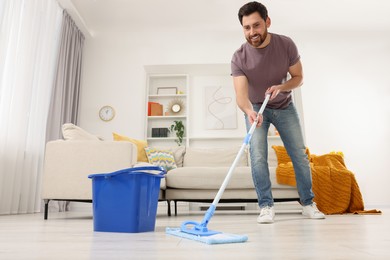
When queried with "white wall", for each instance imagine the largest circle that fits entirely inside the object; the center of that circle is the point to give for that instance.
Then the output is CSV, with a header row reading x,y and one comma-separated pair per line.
x,y
346,103
345,95
114,72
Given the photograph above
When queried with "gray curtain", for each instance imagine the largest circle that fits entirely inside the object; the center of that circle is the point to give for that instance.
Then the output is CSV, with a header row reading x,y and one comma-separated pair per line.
x,y
64,104
65,98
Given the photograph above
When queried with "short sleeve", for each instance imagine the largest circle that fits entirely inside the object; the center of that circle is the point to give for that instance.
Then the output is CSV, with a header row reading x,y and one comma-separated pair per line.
x,y
235,68
293,54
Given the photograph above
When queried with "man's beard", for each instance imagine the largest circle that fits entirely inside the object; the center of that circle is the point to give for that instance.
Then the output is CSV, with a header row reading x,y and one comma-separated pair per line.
x,y
260,41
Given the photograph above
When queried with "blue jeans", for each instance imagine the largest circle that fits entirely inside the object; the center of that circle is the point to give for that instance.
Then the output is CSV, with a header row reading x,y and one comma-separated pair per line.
x,y
287,123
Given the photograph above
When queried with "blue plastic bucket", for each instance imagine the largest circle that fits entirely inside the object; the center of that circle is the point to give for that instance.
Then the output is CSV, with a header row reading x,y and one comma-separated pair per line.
x,y
126,200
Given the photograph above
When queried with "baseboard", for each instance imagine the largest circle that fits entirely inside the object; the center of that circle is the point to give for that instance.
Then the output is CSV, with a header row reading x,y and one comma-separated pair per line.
x,y
290,206
224,207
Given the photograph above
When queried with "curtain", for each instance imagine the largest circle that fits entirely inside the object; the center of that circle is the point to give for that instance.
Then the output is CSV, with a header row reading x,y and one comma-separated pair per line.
x,y
29,44
65,97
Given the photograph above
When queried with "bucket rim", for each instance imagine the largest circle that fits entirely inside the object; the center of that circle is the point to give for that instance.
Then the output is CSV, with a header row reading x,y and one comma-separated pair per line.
x,y
134,170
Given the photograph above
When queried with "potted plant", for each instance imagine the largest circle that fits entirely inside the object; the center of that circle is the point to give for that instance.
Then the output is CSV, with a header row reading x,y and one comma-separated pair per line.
x,y
178,127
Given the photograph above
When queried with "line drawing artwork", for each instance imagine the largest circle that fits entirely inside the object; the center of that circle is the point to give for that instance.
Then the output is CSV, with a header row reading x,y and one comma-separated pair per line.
x,y
221,112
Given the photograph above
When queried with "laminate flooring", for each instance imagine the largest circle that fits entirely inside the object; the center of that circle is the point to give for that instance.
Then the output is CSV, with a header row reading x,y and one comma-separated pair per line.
x,y
70,235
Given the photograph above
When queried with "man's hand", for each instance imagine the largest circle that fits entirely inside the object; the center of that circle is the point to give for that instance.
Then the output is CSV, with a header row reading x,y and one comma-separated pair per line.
x,y
274,91
253,116
295,81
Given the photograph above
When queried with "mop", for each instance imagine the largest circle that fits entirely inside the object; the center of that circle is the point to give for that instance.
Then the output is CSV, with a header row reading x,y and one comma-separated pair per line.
x,y
199,231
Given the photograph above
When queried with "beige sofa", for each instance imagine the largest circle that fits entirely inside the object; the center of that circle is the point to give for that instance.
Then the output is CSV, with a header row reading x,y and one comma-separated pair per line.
x,y
197,178
204,170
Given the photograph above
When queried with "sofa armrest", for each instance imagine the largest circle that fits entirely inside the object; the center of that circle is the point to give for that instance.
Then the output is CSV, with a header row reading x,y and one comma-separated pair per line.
x,y
67,165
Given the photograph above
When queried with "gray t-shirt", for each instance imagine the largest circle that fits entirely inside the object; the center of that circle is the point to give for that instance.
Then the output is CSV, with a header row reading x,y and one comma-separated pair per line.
x,y
266,67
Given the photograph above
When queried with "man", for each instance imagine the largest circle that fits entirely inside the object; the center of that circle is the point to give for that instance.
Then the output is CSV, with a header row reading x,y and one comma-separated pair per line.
x,y
259,67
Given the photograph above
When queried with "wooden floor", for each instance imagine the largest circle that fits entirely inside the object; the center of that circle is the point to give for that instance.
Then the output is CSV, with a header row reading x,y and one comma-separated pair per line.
x,y
70,235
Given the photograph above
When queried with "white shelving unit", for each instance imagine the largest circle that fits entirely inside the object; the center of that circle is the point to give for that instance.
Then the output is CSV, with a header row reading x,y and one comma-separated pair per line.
x,y
166,89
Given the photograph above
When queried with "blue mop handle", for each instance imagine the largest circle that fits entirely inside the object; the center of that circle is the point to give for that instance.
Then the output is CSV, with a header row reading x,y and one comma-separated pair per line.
x,y
211,210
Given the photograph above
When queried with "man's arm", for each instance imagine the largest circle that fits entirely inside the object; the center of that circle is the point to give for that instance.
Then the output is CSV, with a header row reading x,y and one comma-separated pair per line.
x,y
296,81
242,99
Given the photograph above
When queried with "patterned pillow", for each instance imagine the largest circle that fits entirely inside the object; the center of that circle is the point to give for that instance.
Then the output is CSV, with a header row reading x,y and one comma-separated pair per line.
x,y
161,158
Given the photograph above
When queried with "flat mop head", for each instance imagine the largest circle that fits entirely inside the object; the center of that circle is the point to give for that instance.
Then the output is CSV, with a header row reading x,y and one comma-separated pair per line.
x,y
219,238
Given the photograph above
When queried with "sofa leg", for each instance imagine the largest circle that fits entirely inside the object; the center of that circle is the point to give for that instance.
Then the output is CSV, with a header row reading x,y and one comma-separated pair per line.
x,y
46,209
175,207
169,208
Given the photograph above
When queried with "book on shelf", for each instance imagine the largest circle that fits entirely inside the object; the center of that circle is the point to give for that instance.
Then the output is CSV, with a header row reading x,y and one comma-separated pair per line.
x,y
160,132
155,109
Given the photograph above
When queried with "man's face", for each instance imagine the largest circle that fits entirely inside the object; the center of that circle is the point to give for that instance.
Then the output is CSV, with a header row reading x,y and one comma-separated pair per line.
x,y
255,29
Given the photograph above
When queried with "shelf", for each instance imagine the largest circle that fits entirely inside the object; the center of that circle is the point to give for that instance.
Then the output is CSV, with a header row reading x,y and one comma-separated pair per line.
x,y
168,96
166,117
162,138
216,137
228,137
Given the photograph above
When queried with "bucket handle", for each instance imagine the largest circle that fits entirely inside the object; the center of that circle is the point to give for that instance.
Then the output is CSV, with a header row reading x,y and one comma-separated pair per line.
x,y
160,169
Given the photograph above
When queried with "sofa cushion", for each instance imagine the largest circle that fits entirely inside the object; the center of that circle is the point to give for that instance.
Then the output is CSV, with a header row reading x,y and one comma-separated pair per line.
x,y
213,157
212,178
141,144
238,194
178,153
74,132
163,158
208,178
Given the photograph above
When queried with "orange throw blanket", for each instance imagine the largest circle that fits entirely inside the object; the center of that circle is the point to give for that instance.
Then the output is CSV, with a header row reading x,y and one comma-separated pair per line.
x,y
334,186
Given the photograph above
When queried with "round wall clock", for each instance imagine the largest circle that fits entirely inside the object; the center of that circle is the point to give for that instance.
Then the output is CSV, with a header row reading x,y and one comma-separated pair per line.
x,y
176,107
107,113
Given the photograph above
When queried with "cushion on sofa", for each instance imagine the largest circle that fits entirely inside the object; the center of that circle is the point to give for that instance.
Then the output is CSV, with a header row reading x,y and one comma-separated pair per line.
x,y
74,132
239,194
163,158
209,178
178,153
141,144
205,178
213,157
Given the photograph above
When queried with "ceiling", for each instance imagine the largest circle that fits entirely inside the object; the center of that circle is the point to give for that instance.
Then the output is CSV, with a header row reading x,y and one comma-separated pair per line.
x,y
107,16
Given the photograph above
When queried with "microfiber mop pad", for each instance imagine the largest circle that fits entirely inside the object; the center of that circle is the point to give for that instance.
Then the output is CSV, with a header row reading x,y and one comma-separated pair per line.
x,y
220,238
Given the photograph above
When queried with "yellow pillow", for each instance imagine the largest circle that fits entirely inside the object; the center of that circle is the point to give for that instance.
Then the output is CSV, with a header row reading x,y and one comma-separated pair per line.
x,y
283,156
141,144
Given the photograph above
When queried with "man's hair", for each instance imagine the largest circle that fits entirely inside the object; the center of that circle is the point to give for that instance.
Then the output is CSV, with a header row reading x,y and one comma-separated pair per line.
x,y
251,8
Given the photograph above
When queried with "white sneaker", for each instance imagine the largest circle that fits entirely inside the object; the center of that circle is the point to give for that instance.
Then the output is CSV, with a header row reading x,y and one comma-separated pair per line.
x,y
311,211
267,215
